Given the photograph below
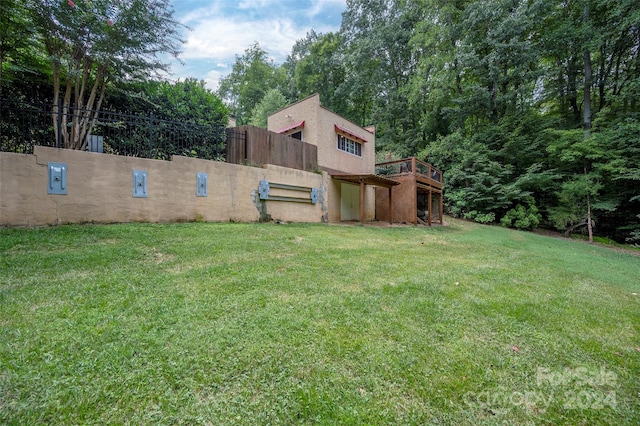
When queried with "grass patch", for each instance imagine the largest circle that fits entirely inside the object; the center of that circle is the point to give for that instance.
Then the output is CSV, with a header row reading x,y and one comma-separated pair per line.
x,y
201,323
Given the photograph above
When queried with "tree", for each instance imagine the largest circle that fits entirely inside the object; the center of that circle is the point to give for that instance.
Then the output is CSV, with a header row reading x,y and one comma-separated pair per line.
x,y
253,74
20,52
593,44
92,44
322,71
299,51
272,101
380,63
187,101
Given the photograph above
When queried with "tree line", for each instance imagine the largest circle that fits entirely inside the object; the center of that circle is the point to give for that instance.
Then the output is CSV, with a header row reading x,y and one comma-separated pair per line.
x,y
530,107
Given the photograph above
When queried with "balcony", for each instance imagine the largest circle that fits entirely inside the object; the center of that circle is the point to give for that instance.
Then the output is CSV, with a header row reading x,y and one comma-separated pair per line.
x,y
419,188
426,176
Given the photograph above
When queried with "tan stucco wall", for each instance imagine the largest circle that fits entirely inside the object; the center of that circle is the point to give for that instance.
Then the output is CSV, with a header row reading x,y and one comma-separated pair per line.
x,y
100,189
319,130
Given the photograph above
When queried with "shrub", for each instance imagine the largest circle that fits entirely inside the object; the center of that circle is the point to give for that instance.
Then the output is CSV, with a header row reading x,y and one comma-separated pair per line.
x,y
480,217
522,217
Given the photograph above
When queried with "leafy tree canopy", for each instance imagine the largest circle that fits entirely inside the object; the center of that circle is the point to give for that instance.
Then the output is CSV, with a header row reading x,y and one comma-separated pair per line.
x,y
253,74
92,43
272,101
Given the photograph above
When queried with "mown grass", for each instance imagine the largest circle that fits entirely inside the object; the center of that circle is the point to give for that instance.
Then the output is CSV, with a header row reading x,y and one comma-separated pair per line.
x,y
312,324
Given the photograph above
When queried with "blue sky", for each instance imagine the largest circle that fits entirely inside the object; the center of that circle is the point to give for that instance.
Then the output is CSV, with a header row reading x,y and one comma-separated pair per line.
x,y
222,29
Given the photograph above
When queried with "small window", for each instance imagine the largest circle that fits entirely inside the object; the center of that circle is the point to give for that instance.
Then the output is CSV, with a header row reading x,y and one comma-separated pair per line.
x,y
296,135
347,145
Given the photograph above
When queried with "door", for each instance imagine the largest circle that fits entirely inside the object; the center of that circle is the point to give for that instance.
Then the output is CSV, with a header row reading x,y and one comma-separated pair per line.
x,y
349,202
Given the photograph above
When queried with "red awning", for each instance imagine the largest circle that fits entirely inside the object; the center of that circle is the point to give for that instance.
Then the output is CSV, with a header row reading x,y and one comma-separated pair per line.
x,y
291,127
345,132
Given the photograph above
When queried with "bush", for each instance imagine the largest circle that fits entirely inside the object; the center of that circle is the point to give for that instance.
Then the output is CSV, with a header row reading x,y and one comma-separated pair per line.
x,y
480,217
522,217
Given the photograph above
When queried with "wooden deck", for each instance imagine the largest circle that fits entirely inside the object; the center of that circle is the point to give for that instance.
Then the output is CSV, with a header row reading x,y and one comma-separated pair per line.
x,y
413,198
426,176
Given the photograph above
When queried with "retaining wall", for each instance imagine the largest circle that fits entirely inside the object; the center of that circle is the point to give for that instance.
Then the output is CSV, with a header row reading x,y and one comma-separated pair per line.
x,y
100,188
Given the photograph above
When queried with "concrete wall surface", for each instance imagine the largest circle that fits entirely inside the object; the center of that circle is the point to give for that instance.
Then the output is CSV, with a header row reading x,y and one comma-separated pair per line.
x,y
319,129
100,189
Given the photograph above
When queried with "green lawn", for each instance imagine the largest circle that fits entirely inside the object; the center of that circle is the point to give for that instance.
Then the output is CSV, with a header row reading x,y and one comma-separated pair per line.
x,y
202,323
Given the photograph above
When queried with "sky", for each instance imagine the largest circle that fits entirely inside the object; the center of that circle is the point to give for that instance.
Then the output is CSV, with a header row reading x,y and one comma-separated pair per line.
x,y
221,29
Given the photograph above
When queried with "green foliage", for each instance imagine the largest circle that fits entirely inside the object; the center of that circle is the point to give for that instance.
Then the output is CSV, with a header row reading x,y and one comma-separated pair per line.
x,y
299,51
273,101
322,71
478,186
379,65
91,44
480,217
253,74
19,49
187,101
575,207
634,236
522,217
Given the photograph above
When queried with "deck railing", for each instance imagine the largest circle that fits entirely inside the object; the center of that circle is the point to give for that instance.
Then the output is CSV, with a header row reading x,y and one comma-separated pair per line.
x,y
424,172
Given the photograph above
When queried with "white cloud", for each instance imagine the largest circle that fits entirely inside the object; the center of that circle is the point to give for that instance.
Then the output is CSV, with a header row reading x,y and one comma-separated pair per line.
x,y
317,6
212,79
253,4
222,29
223,39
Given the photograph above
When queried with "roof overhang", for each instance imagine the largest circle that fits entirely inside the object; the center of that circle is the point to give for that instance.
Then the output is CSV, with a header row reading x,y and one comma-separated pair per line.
x,y
294,126
349,134
367,179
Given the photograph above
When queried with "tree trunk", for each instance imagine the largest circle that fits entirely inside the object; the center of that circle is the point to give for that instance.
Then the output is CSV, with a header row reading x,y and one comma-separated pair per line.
x,y
589,221
572,88
587,112
587,80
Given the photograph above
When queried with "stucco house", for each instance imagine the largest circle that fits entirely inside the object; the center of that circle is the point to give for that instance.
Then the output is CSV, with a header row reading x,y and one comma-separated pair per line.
x,y
346,152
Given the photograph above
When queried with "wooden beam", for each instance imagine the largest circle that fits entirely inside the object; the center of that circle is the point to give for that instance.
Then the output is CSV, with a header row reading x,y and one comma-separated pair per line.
x,y
414,199
429,208
362,187
441,211
390,205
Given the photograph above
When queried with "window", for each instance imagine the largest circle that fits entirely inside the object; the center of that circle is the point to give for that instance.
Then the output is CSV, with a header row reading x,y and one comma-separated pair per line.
x,y
296,135
347,145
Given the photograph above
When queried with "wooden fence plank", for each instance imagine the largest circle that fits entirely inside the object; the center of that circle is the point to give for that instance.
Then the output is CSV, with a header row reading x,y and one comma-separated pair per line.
x,y
265,147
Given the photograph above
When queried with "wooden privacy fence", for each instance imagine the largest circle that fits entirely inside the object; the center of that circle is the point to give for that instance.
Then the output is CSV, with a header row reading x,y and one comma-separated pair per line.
x,y
261,146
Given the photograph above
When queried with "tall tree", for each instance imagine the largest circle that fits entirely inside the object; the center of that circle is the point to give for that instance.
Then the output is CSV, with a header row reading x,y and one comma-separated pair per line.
x,y
20,52
380,63
272,101
299,51
94,43
253,74
321,70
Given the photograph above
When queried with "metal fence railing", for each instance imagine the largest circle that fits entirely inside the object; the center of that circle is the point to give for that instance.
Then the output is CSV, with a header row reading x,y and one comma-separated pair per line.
x,y
24,125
